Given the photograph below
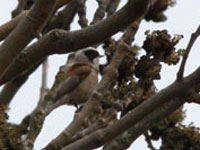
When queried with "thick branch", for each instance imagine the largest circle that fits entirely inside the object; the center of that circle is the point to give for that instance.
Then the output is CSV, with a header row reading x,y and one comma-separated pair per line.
x,y
12,87
20,7
59,41
28,28
102,122
123,141
6,28
175,90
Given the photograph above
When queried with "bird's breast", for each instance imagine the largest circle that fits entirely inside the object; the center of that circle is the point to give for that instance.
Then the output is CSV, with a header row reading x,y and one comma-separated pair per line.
x,y
85,89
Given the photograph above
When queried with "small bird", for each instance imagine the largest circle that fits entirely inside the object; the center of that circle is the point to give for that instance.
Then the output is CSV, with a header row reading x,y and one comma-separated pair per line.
x,y
80,79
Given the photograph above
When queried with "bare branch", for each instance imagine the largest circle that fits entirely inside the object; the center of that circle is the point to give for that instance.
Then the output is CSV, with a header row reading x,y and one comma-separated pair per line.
x,y
174,91
126,139
59,41
82,14
123,141
43,88
99,137
131,30
28,28
92,126
6,28
20,7
193,38
113,6
12,87
108,117
64,17
100,12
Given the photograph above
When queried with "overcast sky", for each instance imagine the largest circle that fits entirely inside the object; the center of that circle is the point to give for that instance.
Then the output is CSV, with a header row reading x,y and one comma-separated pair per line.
x,y
183,19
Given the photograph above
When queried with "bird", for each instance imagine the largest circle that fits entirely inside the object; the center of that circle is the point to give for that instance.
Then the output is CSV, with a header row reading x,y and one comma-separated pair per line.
x,y
81,78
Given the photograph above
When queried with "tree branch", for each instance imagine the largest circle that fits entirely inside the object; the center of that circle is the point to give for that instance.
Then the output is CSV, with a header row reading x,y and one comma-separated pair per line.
x,y
43,87
6,28
193,38
28,28
20,7
83,22
44,107
123,141
64,17
100,12
174,91
106,119
113,6
12,87
59,41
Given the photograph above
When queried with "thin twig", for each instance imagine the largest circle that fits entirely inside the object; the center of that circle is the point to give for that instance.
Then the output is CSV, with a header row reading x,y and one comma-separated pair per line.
x,y
101,10
44,80
83,22
63,18
113,6
193,38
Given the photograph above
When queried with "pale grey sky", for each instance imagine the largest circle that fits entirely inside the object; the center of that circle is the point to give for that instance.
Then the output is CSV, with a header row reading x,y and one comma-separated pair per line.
x,y
183,19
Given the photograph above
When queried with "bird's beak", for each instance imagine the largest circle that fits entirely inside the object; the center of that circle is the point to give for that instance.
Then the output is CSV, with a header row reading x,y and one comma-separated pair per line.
x,y
101,56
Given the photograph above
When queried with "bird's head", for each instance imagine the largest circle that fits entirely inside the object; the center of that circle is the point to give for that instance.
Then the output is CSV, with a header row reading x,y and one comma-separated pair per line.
x,y
89,56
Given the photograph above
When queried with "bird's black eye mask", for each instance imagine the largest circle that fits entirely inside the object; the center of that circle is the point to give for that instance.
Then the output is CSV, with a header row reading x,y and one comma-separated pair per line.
x,y
91,54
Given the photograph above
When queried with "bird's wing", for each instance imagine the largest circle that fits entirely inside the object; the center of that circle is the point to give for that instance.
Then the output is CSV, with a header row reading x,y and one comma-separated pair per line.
x,y
72,81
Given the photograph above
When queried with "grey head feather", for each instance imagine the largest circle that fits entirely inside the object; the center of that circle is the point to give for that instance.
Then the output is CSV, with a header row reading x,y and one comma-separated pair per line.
x,y
89,56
